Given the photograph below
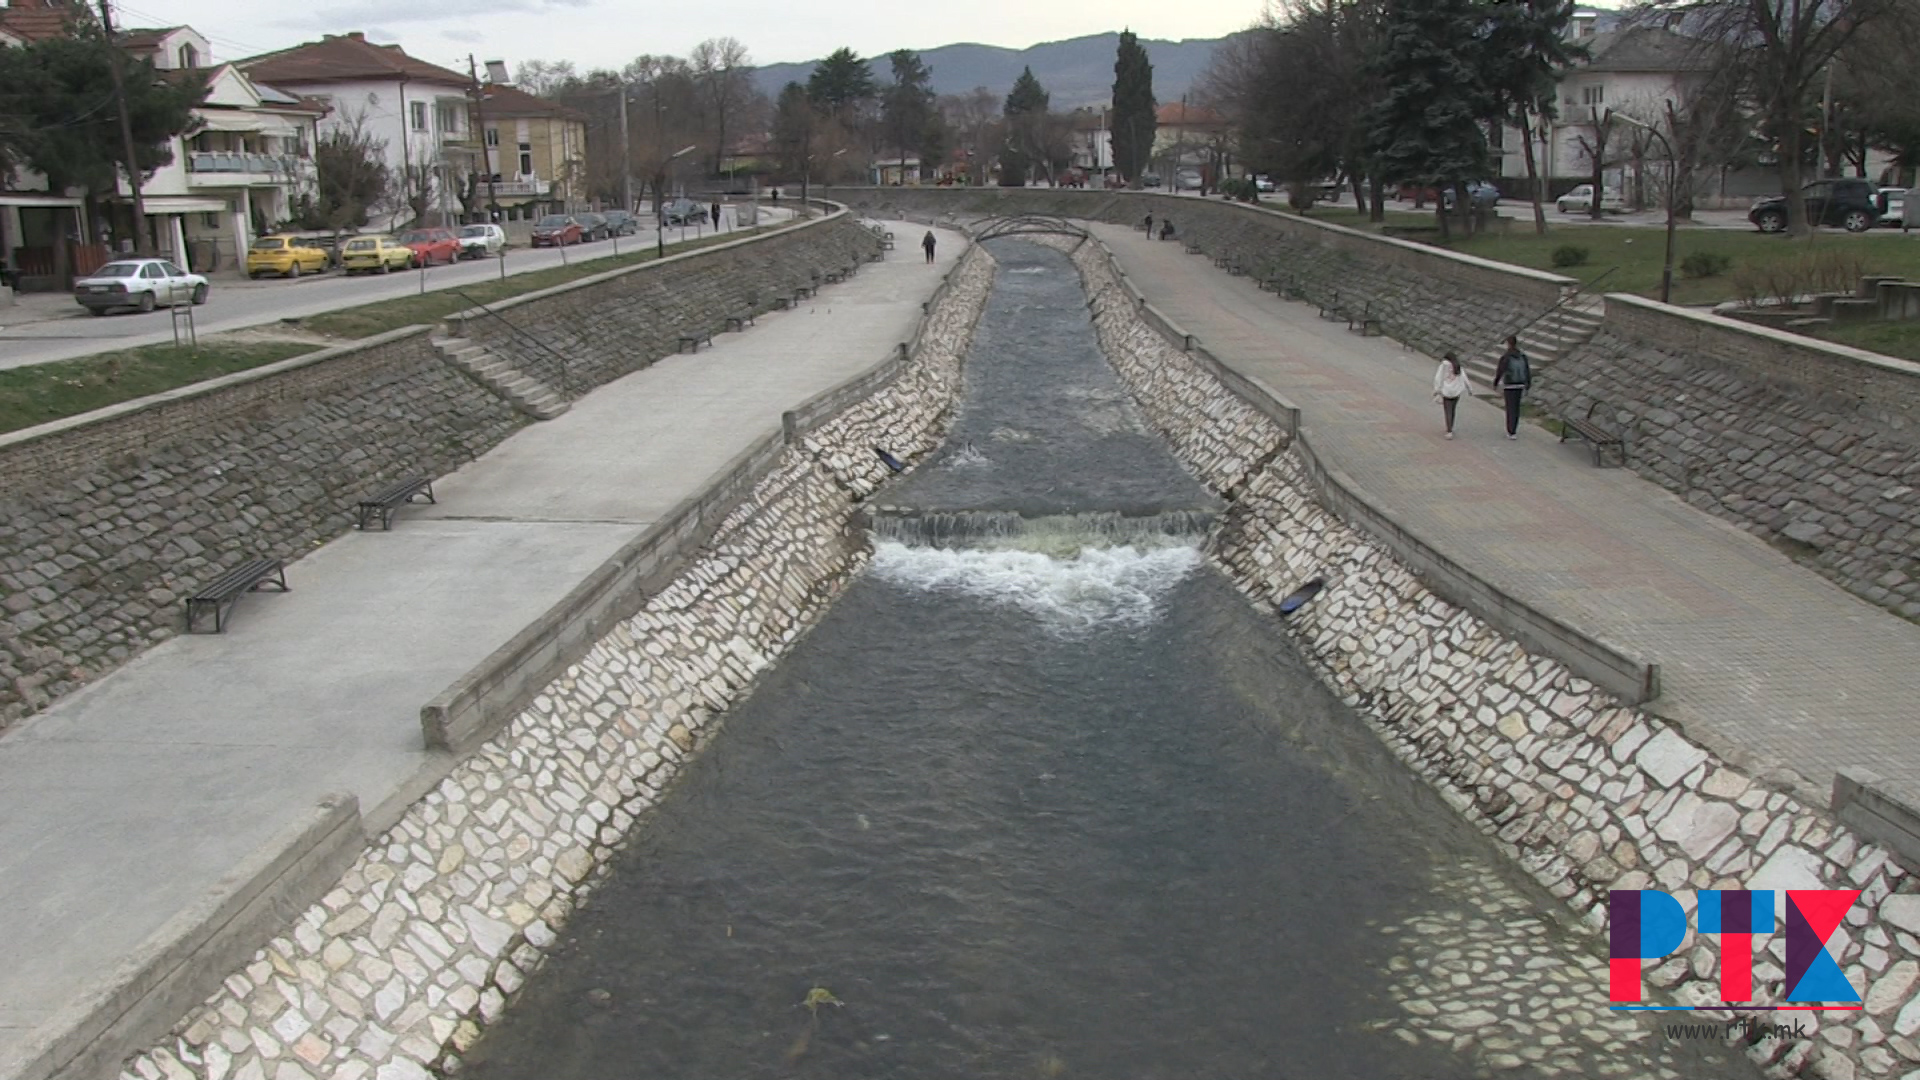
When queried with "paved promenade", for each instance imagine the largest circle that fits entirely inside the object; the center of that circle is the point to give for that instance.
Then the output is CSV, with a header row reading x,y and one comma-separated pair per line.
x,y
128,801
1761,659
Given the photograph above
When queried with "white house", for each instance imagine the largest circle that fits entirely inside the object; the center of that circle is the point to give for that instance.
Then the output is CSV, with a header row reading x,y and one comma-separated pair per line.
x,y
415,111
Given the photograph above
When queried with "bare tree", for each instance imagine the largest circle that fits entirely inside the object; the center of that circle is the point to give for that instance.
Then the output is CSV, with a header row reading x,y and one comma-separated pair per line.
x,y
1593,146
721,71
544,78
975,119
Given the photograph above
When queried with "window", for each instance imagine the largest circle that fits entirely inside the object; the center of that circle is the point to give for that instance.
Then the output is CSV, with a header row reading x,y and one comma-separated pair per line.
x,y
448,117
493,137
210,220
526,159
189,56
1593,95
419,116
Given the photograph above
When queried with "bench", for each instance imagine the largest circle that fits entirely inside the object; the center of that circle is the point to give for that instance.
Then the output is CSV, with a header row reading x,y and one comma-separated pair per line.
x,y
1330,307
1364,321
694,339
1596,436
1193,247
835,277
740,321
383,504
1220,262
220,594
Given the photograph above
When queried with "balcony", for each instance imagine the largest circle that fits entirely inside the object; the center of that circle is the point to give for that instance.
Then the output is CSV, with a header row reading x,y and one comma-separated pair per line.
x,y
237,170
507,189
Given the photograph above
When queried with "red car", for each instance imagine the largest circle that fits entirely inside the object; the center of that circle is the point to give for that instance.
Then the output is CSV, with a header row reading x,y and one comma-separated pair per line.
x,y
556,230
431,246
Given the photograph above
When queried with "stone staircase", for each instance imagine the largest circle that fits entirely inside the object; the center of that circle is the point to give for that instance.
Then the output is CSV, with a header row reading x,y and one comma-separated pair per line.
x,y
527,394
1566,328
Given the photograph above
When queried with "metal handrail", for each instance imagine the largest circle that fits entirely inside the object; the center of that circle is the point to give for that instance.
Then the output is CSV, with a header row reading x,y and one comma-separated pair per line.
x,y
566,377
1562,302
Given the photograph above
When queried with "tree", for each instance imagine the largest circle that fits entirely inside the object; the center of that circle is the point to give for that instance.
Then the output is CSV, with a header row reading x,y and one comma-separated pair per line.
x,y
721,70
974,119
544,78
354,182
794,121
1027,136
906,107
1134,118
841,84
1427,127
1779,53
1527,53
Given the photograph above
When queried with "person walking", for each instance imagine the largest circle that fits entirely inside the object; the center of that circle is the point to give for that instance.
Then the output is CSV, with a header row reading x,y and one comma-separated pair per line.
x,y
1149,226
926,244
1449,386
716,217
1512,377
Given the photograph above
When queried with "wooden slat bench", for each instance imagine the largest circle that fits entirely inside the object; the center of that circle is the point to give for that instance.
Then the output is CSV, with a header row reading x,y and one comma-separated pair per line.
x,y
1364,321
835,277
1193,247
219,595
740,321
382,504
1330,306
693,339
1596,436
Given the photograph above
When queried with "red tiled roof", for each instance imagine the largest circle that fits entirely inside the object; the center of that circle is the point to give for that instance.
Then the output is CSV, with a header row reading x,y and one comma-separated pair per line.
x,y
511,101
38,20
345,58
144,39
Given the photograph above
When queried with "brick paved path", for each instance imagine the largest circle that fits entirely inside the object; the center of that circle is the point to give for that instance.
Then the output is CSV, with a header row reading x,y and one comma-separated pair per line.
x,y
1762,660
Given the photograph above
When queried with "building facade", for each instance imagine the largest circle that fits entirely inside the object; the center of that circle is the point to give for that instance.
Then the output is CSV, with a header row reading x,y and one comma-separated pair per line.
x,y
535,151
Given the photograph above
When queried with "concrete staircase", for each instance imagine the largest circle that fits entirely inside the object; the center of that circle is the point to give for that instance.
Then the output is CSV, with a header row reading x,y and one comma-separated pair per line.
x,y
1563,330
527,394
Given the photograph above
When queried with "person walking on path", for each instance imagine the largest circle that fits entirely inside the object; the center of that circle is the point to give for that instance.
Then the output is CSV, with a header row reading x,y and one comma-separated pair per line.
x,y
1149,226
1512,376
1449,386
716,217
927,244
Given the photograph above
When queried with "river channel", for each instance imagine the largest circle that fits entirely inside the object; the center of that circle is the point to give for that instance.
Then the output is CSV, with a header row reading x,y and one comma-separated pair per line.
x,y
1054,800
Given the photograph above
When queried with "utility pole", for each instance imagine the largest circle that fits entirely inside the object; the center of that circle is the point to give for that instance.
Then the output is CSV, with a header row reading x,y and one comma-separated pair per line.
x,y
626,156
140,242
480,130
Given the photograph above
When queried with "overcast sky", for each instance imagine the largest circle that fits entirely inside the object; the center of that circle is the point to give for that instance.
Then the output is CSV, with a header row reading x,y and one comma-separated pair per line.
x,y
608,33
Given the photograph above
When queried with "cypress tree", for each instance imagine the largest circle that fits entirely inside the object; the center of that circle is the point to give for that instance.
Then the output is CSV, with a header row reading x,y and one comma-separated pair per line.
x,y
1133,108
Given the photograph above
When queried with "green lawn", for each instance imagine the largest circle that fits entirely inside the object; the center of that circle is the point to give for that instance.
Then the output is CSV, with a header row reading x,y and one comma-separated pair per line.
x,y
1901,339
1827,260
46,392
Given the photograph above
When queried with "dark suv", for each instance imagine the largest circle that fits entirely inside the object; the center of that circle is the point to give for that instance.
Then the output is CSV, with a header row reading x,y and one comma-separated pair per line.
x,y
1846,203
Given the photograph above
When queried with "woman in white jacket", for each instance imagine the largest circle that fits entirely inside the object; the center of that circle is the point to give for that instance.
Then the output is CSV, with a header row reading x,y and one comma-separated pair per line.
x,y
1449,386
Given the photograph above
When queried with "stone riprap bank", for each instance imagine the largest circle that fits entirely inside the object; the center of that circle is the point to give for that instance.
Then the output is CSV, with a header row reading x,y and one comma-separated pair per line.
x,y
1812,446
427,937
108,520
1587,795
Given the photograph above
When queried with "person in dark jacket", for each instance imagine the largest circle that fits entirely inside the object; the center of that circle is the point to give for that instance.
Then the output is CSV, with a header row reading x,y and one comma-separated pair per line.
x,y
1512,377
1166,229
716,216
927,244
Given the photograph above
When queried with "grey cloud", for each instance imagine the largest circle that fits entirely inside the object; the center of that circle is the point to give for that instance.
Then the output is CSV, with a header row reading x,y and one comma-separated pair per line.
x,y
349,16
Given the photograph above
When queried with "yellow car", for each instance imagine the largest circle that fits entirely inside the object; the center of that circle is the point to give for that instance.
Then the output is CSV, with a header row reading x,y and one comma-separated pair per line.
x,y
374,255
287,256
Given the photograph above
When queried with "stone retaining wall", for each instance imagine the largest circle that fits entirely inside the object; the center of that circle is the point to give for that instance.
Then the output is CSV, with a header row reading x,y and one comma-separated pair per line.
x,y
426,938
598,329
1813,446
1586,794
1429,298
108,520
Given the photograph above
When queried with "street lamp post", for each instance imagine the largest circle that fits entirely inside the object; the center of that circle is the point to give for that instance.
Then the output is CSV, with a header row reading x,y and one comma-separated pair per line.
x,y
660,226
1666,272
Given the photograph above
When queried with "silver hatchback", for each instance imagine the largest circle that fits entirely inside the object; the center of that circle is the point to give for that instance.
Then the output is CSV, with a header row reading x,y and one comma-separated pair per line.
x,y
143,284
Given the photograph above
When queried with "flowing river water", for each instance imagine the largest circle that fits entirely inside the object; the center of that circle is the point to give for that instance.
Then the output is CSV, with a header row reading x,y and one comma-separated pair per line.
x,y
1042,795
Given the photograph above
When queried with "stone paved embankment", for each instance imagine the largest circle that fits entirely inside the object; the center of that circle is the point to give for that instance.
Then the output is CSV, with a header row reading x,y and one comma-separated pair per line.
x,y
1584,793
395,972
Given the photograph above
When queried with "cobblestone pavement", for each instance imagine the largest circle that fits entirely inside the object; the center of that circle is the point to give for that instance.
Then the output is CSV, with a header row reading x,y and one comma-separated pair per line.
x,y
1766,662
125,804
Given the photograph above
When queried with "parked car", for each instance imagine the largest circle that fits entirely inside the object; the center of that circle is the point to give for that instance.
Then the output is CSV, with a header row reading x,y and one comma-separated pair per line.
x,y
1186,180
1263,184
138,283
374,255
482,241
1481,195
1891,204
592,227
1846,203
1150,180
621,223
431,246
1580,201
682,212
556,230
288,256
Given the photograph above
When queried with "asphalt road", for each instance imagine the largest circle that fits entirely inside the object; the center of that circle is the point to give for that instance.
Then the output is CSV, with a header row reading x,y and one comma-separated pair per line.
x,y
42,328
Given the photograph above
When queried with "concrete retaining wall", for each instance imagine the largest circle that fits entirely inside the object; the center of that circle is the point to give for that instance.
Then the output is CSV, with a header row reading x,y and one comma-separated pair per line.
x,y
440,921
1583,791
1813,446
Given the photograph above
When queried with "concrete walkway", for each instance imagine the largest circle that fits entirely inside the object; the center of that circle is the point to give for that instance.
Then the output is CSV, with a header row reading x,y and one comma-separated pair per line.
x,y
1762,660
127,802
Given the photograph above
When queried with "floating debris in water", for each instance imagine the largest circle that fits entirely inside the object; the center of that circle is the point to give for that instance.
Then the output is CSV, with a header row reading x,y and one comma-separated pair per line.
x,y
1299,597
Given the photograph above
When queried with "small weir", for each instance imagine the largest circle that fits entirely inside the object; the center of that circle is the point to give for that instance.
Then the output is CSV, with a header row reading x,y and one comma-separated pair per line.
x,y
1043,796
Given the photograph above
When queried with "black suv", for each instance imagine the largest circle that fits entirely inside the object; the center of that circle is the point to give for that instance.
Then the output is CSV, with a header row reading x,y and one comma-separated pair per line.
x,y
1846,203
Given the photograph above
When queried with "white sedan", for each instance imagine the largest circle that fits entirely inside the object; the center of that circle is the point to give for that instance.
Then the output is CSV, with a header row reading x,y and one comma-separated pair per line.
x,y
143,284
1580,201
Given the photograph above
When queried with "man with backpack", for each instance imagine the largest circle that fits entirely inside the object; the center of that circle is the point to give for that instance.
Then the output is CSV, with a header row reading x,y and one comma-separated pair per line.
x,y
1512,376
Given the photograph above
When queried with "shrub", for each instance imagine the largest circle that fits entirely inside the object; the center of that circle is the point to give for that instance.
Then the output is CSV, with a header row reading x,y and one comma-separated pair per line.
x,y
1569,255
1705,264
